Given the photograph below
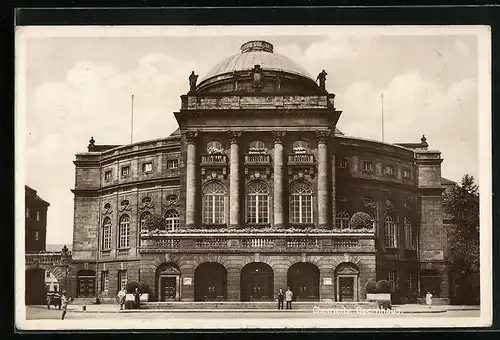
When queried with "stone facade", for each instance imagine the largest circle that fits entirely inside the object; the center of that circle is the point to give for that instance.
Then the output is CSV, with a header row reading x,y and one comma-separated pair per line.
x,y
257,188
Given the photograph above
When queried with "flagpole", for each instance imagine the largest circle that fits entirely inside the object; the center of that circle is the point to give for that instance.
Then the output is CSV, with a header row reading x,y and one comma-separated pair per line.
x,y
382,102
132,122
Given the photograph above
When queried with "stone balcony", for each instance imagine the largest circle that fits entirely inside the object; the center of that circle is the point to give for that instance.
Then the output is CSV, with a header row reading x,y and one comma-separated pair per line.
x,y
214,160
43,258
300,159
257,159
232,241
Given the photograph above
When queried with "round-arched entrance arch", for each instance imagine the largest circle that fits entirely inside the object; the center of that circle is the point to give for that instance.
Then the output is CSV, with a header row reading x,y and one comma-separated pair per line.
x,y
210,282
168,282
257,282
347,282
35,286
85,283
303,280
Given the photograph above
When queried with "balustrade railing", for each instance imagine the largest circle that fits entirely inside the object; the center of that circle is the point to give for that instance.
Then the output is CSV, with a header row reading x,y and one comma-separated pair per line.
x,y
300,242
257,159
43,258
300,158
257,242
211,243
345,243
214,159
168,243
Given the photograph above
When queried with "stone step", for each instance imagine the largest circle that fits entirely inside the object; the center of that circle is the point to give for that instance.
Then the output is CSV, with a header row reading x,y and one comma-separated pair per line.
x,y
309,305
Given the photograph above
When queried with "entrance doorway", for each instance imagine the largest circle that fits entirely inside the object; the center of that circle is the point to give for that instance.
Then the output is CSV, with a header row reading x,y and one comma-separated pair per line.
x,y
303,280
347,278
35,286
168,277
85,283
430,281
257,282
210,282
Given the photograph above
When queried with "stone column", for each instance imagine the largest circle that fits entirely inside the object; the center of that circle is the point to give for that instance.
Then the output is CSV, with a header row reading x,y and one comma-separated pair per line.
x,y
191,179
278,178
234,179
322,139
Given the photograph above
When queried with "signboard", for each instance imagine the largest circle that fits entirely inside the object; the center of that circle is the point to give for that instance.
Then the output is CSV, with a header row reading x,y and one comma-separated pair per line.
x,y
187,281
327,281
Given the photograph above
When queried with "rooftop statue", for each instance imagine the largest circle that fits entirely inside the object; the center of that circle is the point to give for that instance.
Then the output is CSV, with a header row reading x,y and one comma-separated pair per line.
x,y
322,79
193,78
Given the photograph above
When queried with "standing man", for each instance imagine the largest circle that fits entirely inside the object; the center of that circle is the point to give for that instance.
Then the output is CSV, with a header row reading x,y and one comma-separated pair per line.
x,y
121,297
137,297
428,299
281,298
64,304
288,298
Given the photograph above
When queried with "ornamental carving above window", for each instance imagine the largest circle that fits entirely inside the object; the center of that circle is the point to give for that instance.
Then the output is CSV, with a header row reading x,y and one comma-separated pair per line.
x,y
257,147
107,209
300,146
389,204
214,147
125,205
146,202
369,202
171,199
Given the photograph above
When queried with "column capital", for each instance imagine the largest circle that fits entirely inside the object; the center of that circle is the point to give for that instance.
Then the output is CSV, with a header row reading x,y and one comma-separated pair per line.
x,y
278,136
234,136
191,136
322,137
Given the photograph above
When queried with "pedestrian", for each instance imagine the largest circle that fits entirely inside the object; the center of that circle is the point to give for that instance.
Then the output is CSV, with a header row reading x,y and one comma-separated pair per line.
x,y
64,304
137,297
49,301
281,298
428,299
288,298
121,297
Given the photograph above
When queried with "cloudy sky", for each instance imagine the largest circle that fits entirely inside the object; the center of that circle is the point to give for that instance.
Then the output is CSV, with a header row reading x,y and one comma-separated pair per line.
x,y
75,88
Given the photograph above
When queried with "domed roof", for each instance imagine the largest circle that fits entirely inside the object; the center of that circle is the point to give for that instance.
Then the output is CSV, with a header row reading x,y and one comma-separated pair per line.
x,y
257,53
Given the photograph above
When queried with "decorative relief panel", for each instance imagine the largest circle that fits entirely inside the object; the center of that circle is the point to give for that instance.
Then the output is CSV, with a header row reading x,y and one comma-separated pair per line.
x,y
389,204
146,203
369,202
171,200
125,206
107,209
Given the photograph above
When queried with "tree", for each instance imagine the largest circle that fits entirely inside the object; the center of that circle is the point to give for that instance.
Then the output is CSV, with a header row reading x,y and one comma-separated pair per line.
x,y
461,204
155,222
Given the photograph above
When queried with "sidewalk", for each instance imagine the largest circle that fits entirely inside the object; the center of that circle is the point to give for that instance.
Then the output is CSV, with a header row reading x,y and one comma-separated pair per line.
x,y
111,308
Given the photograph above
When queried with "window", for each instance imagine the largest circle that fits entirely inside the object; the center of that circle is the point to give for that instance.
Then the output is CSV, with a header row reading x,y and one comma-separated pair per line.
x,y
147,167
393,279
301,203
104,281
107,175
342,163
342,220
389,170
27,213
368,166
172,219
37,236
122,279
125,171
406,173
257,146
37,216
408,234
106,234
214,146
300,146
257,203
213,204
390,238
172,164
124,232
144,216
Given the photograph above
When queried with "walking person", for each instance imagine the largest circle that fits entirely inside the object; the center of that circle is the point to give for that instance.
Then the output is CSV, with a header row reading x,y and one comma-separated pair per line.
x,y
49,301
288,298
281,298
428,299
121,297
64,304
137,298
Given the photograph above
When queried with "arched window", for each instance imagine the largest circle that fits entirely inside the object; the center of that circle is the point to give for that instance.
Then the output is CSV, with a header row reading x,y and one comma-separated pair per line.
x,y
124,232
257,146
145,215
214,146
390,237
106,234
213,204
301,203
172,220
342,220
408,234
257,203
300,146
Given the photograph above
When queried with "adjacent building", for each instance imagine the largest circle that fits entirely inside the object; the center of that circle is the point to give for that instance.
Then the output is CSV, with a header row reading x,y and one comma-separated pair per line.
x,y
258,188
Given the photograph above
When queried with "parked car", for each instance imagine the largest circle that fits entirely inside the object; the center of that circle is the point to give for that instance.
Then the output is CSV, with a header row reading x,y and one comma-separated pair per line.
x,y
54,299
